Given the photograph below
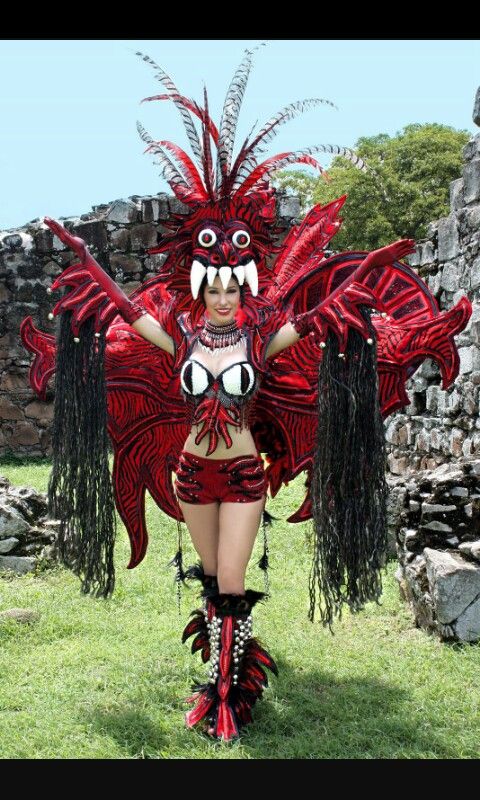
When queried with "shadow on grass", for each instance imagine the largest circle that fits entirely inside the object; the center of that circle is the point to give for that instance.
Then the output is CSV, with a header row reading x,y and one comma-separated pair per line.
x,y
310,716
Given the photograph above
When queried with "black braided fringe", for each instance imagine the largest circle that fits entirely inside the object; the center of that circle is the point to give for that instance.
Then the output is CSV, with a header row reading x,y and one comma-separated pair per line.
x,y
177,562
348,488
80,492
264,562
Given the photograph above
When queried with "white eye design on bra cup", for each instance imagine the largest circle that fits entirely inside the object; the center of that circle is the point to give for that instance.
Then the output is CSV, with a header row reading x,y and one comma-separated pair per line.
x,y
194,378
238,379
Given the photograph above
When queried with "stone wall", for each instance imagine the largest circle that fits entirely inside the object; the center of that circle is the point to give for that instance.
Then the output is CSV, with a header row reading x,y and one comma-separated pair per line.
x,y
118,235
440,426
437,526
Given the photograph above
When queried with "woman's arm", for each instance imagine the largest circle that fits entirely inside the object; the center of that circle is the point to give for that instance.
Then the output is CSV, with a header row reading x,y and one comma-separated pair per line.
x,y
148,327
136,316
286,336
339,311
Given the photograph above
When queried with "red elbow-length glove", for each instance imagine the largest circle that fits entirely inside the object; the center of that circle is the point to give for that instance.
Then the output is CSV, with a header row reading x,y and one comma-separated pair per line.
x,y
340,310
92,291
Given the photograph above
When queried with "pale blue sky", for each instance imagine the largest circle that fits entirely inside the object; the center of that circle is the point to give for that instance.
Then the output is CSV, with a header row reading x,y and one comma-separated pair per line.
x,y
68,133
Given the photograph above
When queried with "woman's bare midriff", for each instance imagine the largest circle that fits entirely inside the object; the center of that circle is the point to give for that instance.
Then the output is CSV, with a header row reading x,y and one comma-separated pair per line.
x,y
243,444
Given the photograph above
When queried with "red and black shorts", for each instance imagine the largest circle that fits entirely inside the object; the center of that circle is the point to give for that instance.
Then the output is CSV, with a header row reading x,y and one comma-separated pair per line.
x,y
201,480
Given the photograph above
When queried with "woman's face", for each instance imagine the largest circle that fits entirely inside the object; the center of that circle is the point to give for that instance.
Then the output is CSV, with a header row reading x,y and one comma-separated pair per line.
x,y
219,300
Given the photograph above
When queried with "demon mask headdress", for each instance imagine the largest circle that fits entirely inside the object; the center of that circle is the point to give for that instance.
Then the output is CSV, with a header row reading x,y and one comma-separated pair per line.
x,y
229,226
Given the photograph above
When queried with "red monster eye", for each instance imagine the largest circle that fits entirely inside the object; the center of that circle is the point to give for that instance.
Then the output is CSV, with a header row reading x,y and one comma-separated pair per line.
x,y
207,237
241,239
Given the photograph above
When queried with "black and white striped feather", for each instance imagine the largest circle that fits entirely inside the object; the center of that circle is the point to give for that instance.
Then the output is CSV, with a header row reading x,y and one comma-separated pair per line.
x,y
168,168
192,134
229,119
270,129
335,149
249,153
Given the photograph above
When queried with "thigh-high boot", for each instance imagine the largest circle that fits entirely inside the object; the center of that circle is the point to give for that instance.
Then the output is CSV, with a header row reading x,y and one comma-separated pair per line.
x,y
237,676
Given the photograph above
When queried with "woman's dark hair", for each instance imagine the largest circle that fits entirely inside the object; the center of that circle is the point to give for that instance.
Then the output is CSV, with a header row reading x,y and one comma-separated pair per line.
x,y
204,285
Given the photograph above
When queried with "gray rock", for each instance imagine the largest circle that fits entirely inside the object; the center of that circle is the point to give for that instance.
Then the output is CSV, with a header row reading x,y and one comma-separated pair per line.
x,y
427,253
472,218
475,550
471,179
12,241
474,468
18,564
448,244
472,148
433,282
450,277
12,523
454,583
467,626
475,275
122,211
432,509
469,359
289,206
476,111
456,194
453,541
465,548
94,234
154,209
459,491
6,545
435,526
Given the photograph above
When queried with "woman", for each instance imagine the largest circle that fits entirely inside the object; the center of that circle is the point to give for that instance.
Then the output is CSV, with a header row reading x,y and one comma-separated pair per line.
x,y
220,484
235,298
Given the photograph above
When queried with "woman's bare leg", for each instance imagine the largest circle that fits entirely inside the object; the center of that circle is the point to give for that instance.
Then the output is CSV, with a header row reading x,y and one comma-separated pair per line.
x,y
203,525
239,523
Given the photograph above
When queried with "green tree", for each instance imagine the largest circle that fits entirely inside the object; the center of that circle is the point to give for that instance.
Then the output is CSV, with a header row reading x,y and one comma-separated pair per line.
x,y
406,187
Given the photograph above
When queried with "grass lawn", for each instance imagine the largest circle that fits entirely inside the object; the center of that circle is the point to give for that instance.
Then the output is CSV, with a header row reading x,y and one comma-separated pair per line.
x,y
95,679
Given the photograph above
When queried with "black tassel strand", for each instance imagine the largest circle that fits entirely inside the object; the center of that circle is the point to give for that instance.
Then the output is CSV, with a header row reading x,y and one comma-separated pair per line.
x,y
177,562
348,488
80,492
264,561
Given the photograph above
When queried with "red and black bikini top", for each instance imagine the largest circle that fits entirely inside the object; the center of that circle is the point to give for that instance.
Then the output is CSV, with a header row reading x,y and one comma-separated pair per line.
x,y
216,402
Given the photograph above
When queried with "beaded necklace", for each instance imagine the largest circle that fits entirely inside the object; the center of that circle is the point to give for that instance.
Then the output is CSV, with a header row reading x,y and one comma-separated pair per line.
x,y
217,339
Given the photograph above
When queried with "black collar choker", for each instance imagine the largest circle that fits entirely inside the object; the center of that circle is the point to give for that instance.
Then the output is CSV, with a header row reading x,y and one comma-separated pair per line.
x,y
218,339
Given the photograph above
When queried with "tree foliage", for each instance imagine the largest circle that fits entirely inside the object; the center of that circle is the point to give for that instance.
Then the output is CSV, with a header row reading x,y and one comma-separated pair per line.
x,y
406,187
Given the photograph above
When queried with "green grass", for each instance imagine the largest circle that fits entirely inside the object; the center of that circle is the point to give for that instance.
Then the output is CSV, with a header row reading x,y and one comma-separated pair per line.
x,y
97,679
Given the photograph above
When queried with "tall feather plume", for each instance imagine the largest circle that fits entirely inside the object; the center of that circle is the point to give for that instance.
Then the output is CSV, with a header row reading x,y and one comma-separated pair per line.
x,y
186,166
270,130
192,134
247,166
231,108
299,156
168,169
192,106
207,153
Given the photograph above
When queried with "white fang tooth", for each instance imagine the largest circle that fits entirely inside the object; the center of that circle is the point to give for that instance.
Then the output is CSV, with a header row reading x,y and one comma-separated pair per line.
x,y
197,274
240,273
211,275
225,275
251,276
